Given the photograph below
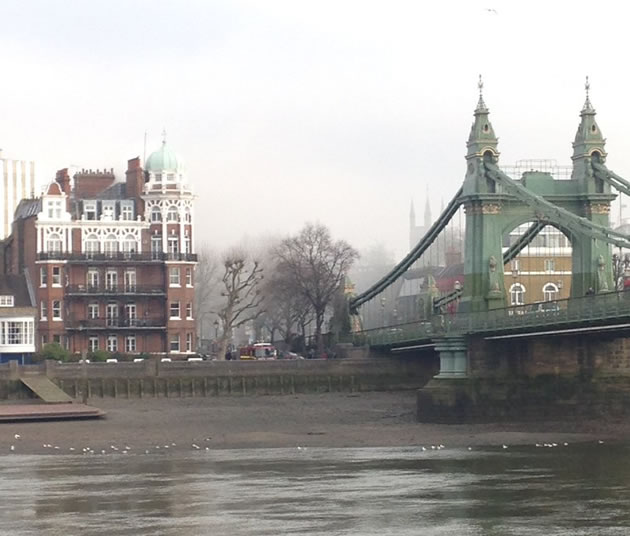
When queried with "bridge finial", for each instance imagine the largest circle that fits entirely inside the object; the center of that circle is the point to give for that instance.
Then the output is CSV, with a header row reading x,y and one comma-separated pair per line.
x,y
481,105
164,136
588,107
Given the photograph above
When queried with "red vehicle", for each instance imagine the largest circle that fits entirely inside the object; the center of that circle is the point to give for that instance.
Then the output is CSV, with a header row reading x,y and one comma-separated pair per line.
x,y
260,350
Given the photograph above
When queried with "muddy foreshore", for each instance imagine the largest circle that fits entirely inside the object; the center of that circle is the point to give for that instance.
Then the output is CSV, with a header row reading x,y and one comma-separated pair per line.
x,y
375,419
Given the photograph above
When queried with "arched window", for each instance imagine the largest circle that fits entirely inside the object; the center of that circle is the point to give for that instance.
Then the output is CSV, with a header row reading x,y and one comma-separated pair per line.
x,y
156,214
92,245
54,243
110,246
550,292
172,214
130,245
517,294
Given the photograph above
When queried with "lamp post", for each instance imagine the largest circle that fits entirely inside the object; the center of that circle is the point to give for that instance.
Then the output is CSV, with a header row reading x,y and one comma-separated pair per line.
x,y
216,330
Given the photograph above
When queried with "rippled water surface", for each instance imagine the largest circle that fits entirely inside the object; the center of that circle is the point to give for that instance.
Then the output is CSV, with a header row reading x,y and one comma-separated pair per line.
x,y
574,490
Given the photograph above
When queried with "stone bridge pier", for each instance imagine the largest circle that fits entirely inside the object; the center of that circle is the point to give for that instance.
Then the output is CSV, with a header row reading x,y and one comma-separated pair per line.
x,y
528,378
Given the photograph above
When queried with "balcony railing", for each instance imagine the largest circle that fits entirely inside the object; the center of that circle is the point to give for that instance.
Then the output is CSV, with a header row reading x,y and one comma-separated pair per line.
x,y
112,290
117,257
116,322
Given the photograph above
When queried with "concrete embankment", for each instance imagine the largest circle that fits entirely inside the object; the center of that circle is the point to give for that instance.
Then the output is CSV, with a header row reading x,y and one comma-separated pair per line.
x,y
153,378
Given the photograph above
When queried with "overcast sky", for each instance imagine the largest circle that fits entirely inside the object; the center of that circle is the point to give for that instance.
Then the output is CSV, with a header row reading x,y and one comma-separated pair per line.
x,y
288,111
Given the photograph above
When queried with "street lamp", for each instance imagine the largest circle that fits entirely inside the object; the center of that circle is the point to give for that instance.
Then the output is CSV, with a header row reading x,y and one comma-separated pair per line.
x,y
216,329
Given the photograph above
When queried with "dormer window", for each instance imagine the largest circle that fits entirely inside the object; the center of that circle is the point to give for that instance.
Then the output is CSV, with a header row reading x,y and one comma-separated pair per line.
x,y
54,209
126,211
158,177
89,209
170,177
6,301
109,210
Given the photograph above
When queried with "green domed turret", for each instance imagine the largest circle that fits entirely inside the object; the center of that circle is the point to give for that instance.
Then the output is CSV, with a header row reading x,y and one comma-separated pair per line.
x,y
164,159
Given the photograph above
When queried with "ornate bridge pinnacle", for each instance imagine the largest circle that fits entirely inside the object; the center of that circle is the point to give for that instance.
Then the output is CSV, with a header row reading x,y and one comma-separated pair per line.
x,y
481,105
587,103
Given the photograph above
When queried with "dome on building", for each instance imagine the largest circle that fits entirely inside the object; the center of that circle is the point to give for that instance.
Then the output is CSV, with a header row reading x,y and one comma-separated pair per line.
x,y
164,159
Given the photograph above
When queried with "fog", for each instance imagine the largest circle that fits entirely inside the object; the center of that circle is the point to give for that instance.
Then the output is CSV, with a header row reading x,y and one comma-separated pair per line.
x,y
285,112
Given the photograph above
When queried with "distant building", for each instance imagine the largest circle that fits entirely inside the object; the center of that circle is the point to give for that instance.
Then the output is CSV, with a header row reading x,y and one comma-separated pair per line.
x,y
112,263
542,271
17,319
17,182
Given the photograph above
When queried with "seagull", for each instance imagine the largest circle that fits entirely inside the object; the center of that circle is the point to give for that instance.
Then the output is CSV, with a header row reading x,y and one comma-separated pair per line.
x,y
424,448
600,442
17,436
12,448
469,448
492,10
505,446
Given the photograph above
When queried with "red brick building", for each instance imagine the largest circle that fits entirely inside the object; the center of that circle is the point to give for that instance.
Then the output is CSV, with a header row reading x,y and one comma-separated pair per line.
x,y
112,262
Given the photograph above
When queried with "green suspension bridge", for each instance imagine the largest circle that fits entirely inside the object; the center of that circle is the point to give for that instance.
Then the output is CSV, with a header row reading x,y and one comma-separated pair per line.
x,y
405,309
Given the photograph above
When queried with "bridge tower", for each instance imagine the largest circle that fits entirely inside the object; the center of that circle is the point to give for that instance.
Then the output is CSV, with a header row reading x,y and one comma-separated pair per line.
x,y
591,258
491,211
483,288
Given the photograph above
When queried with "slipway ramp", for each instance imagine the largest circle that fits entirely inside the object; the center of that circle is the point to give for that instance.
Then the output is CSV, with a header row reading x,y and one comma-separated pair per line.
x,y
46,390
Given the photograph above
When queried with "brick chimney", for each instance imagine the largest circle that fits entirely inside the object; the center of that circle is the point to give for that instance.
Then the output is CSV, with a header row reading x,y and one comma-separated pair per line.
x,y
63,179
88,183
135,182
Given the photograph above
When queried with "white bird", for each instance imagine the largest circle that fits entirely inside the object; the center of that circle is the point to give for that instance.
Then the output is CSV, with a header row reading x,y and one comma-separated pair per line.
x,y
12,447
505,446
469,448
565,444
146,452
492,10
17,436
600,442
424,448
71,448
195,446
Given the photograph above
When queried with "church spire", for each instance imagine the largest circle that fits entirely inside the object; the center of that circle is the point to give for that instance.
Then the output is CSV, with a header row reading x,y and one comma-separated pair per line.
x,y
412,216
482,136
427,212
588,137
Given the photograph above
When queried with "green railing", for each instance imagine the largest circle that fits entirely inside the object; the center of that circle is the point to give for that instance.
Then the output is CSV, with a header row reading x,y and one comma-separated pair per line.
x,y
601,309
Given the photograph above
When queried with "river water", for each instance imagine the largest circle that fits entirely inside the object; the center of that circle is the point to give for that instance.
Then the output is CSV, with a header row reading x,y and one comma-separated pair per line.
x,y
566,490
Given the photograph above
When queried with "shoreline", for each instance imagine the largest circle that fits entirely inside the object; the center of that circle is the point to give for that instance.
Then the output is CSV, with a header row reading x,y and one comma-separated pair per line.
x,y
335,420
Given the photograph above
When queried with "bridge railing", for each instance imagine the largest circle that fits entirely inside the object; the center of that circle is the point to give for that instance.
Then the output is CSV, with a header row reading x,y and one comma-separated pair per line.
x,y
591,310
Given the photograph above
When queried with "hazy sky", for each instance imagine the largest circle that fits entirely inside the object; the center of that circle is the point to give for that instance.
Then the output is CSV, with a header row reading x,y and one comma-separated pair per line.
x,y
291,111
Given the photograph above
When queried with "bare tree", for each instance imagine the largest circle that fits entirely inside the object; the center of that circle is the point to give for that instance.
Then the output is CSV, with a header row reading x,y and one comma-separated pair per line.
x,y
241,295
316,265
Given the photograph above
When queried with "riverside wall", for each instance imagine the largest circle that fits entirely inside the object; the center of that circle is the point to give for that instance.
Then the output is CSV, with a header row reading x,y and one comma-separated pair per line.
x,y
153,378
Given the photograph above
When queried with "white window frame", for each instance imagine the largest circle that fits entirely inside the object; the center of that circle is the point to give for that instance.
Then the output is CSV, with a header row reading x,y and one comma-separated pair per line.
x,y
156,214
171,308
93,344
7,300
189,279
189,311
56,310
56,277
93,310
43,310
89,207
43,276
174,276
517,294
189,342
174,343
550,292
130,344
112,343
126,211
